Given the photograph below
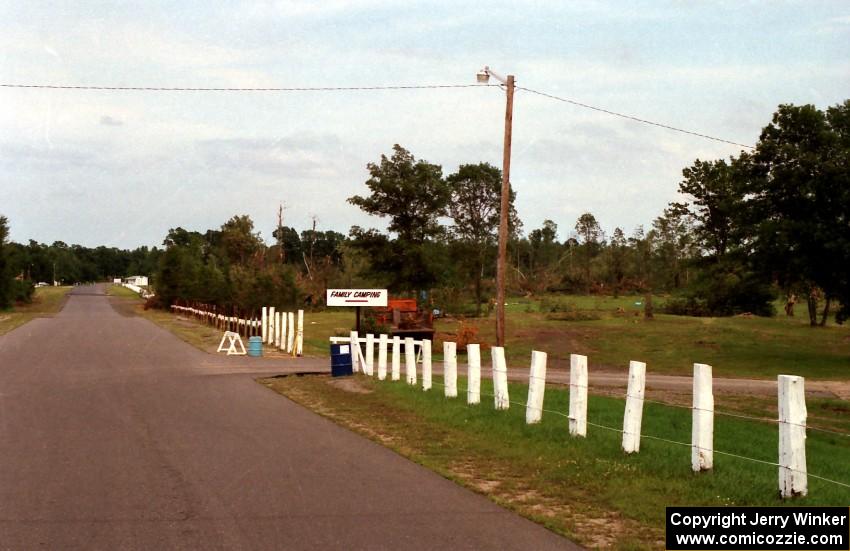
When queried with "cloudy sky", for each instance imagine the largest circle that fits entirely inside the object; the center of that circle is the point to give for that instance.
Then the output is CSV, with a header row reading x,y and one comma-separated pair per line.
x,y
121,168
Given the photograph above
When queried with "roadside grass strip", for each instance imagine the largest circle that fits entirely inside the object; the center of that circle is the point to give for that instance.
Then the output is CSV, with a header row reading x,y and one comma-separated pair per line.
x,y
46,302
587,488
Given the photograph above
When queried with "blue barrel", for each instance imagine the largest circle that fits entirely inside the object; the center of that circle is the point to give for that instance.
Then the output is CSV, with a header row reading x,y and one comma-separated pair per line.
x,y
255,346
340,360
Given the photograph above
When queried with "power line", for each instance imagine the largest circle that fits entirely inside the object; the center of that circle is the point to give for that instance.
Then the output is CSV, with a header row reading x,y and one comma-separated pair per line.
x,y
243,89
633,118
368,88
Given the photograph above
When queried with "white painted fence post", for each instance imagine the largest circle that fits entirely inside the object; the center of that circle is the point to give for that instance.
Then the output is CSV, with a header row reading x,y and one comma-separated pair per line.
x,y
702,435
793,477
473,375
634,407
536,388
370,354
355,357
382,357
282,345
290,321
265,323
450,369
500,378
426,364
410,360
277,317
270,339
578,395
299,336
396,367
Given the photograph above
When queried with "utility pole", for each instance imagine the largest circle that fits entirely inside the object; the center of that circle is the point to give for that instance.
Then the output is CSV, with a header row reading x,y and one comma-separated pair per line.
x,y
504,211
281,254
483,77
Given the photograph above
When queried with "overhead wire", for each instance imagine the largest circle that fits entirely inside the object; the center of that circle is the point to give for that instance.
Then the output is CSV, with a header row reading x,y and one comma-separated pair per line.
x,y
247,89
633,118
370,88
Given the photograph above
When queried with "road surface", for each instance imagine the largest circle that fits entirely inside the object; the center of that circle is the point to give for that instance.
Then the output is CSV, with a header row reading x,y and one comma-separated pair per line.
x,y
114,434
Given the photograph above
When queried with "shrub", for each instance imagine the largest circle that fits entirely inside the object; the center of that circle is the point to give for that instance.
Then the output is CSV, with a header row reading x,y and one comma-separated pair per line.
x,y
22,291
552,305
725,292
369,324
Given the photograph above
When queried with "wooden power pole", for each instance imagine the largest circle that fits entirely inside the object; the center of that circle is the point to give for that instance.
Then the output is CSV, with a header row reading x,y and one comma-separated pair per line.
x,y
504,212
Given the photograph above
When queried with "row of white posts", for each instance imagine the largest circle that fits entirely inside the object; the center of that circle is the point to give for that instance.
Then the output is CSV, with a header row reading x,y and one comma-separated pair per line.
x,y
144,293
283,330
792,403
211,317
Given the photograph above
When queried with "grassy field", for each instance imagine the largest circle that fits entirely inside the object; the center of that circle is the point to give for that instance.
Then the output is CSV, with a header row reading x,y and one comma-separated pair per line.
x,y
585,488
610,332
46,302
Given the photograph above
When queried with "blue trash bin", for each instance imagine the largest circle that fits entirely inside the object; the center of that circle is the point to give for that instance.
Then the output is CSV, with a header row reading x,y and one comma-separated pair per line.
x,y
340,360
255,346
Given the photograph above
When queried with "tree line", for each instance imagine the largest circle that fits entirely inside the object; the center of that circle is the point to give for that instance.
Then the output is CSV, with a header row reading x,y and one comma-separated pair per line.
x,y
768,223
24,265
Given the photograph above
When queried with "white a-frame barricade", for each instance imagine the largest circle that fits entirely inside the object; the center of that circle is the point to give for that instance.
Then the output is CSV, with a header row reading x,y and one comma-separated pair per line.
x,y
234,346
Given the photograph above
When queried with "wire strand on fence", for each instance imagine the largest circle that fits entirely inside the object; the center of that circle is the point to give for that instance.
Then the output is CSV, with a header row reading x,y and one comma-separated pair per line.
x,y
717,412
661,439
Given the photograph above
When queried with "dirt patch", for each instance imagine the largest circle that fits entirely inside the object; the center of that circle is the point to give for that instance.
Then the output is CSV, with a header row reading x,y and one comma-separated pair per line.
x,y
349,384
708,344
597,529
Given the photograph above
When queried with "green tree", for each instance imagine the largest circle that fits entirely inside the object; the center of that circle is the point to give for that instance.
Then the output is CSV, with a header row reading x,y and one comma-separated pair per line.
x,y
717,190
238,239
592,241
544,246
801,187
287,238
673,233
180,267
728,282
476,192
413,195
616,255
6,278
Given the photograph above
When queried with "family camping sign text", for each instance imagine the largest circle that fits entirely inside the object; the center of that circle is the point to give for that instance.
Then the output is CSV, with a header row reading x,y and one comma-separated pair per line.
x,y
357,297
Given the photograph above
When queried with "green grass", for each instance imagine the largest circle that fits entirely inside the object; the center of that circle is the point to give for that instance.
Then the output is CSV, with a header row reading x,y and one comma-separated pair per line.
x,y
46,302
569,483
319,326
734,346
121,291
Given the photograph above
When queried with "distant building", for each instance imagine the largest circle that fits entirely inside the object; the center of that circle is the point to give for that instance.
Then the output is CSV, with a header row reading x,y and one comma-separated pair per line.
x,y
140,281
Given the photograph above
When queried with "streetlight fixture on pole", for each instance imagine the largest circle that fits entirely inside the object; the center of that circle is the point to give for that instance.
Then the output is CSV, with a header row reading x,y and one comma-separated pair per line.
x,y
483,77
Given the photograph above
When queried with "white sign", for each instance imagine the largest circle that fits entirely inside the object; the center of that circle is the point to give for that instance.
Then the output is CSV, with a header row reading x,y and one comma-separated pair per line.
x,y
357,297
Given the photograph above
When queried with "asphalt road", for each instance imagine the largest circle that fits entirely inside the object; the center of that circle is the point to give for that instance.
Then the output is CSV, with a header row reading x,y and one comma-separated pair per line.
x,y
114,434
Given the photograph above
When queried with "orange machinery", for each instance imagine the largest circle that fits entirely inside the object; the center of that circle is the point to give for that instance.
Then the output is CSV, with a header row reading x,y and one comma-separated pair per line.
x,y
404,318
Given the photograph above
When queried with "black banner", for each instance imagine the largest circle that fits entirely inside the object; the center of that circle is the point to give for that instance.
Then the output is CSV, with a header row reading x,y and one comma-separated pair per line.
x,y
764,528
